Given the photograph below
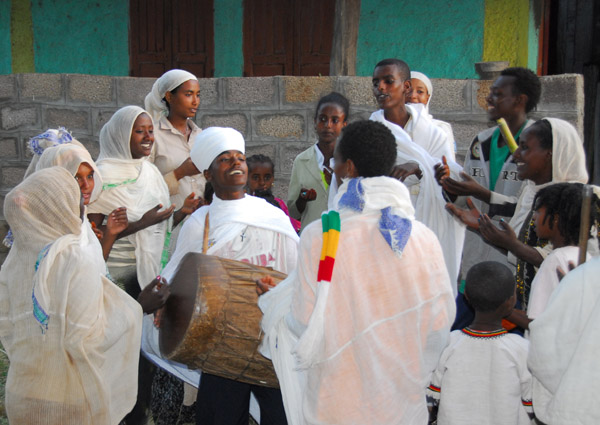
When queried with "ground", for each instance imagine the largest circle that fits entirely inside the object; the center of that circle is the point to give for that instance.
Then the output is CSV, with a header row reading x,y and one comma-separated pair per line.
x,y
3,371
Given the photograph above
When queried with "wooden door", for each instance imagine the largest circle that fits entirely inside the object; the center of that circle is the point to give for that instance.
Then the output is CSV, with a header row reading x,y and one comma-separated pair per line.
x,y
167,34
287,37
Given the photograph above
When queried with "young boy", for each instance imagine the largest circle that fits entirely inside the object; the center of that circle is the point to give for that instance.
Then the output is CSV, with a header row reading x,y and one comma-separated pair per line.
x,y
419,146
482,375
366,337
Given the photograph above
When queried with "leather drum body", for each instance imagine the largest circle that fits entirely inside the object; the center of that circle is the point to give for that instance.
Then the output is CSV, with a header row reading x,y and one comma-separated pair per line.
x,y
211,321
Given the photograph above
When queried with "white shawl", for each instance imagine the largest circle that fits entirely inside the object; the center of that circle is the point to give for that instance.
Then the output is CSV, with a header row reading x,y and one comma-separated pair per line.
x,y
429,203
568,166
384,325
71,335
170,80
135,184
70,156
563,351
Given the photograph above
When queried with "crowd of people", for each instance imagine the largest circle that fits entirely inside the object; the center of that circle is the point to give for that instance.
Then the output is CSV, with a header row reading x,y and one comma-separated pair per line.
x,y
418,290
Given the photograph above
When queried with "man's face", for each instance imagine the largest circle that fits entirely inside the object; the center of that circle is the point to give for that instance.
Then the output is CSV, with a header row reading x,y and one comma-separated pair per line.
x,y
228,173
388,87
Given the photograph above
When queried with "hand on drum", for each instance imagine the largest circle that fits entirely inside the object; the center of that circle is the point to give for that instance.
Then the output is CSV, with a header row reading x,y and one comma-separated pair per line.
x,y
264,284
154,295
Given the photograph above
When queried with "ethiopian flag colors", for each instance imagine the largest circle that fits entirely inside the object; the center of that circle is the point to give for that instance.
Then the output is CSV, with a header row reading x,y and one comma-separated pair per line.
x,y
331,239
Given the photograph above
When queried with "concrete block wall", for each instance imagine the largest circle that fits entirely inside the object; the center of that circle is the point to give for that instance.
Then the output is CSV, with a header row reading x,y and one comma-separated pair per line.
x,y
275,114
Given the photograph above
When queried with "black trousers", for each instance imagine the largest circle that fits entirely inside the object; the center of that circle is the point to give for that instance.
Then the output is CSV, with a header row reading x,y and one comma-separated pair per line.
x,y
222,401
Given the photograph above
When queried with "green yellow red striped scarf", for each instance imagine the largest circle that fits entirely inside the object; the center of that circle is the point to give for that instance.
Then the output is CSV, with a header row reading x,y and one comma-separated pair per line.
x,y
331,239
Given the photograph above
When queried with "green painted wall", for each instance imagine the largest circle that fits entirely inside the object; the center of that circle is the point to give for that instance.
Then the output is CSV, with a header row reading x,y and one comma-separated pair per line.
x,y
5,49
229,21
442,39
81,36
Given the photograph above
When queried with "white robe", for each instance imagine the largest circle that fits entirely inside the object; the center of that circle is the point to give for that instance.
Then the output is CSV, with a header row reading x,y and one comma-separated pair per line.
x,y
483,380
385,321
563,351
425,148
266,230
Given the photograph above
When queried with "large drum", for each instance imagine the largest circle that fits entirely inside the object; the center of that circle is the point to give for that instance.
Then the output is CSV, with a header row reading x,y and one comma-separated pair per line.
x,y
211,321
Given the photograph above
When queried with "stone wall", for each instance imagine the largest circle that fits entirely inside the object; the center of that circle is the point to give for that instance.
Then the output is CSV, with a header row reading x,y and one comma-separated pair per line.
x,y
275,114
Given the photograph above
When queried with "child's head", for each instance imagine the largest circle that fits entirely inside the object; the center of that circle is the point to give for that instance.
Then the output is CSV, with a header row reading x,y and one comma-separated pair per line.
x,y
422,89
490,287
366,149
261,170
557,210
331,116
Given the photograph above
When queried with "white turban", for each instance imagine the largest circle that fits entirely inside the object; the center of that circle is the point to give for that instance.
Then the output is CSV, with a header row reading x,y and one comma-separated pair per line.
x,y
212,142
170,80
426,81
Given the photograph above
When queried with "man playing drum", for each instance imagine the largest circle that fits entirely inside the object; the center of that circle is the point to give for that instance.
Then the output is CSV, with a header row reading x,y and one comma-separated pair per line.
x,y
243,228
356,331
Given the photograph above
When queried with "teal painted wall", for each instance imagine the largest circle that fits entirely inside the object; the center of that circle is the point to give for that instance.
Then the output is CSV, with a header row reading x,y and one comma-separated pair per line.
x,y
81,36
446,47
229,22
5,49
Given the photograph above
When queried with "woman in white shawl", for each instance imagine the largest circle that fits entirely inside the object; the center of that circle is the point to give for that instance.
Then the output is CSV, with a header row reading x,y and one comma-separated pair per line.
x,y
77,160
550,151
71,335
172,103
133,182
422,91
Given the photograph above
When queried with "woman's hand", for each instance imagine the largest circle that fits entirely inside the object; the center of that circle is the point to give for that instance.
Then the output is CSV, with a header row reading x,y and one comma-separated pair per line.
x,y
467,187
154,216
470,216
503,236
117,221
264,284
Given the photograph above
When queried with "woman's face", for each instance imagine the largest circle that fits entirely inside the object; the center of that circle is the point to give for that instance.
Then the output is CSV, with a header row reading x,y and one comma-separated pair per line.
x,y
184,102
329,122
533,161
142,137
85,179
419,93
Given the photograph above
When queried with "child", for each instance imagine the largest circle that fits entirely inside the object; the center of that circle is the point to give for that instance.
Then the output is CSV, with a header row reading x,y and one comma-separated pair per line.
x,y
312,169
261,170
557,215
482,375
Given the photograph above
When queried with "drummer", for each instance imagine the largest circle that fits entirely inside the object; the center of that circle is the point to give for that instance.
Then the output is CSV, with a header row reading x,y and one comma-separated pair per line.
x,y
243,228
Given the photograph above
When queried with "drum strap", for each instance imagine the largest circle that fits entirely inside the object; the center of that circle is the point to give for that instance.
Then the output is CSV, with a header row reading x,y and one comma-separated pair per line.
x,y
331,238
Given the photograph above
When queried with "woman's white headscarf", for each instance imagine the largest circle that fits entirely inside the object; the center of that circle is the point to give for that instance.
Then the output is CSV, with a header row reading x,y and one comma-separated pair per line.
x,y
135,184
70,156
170,80
71,335
427,82
568,166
